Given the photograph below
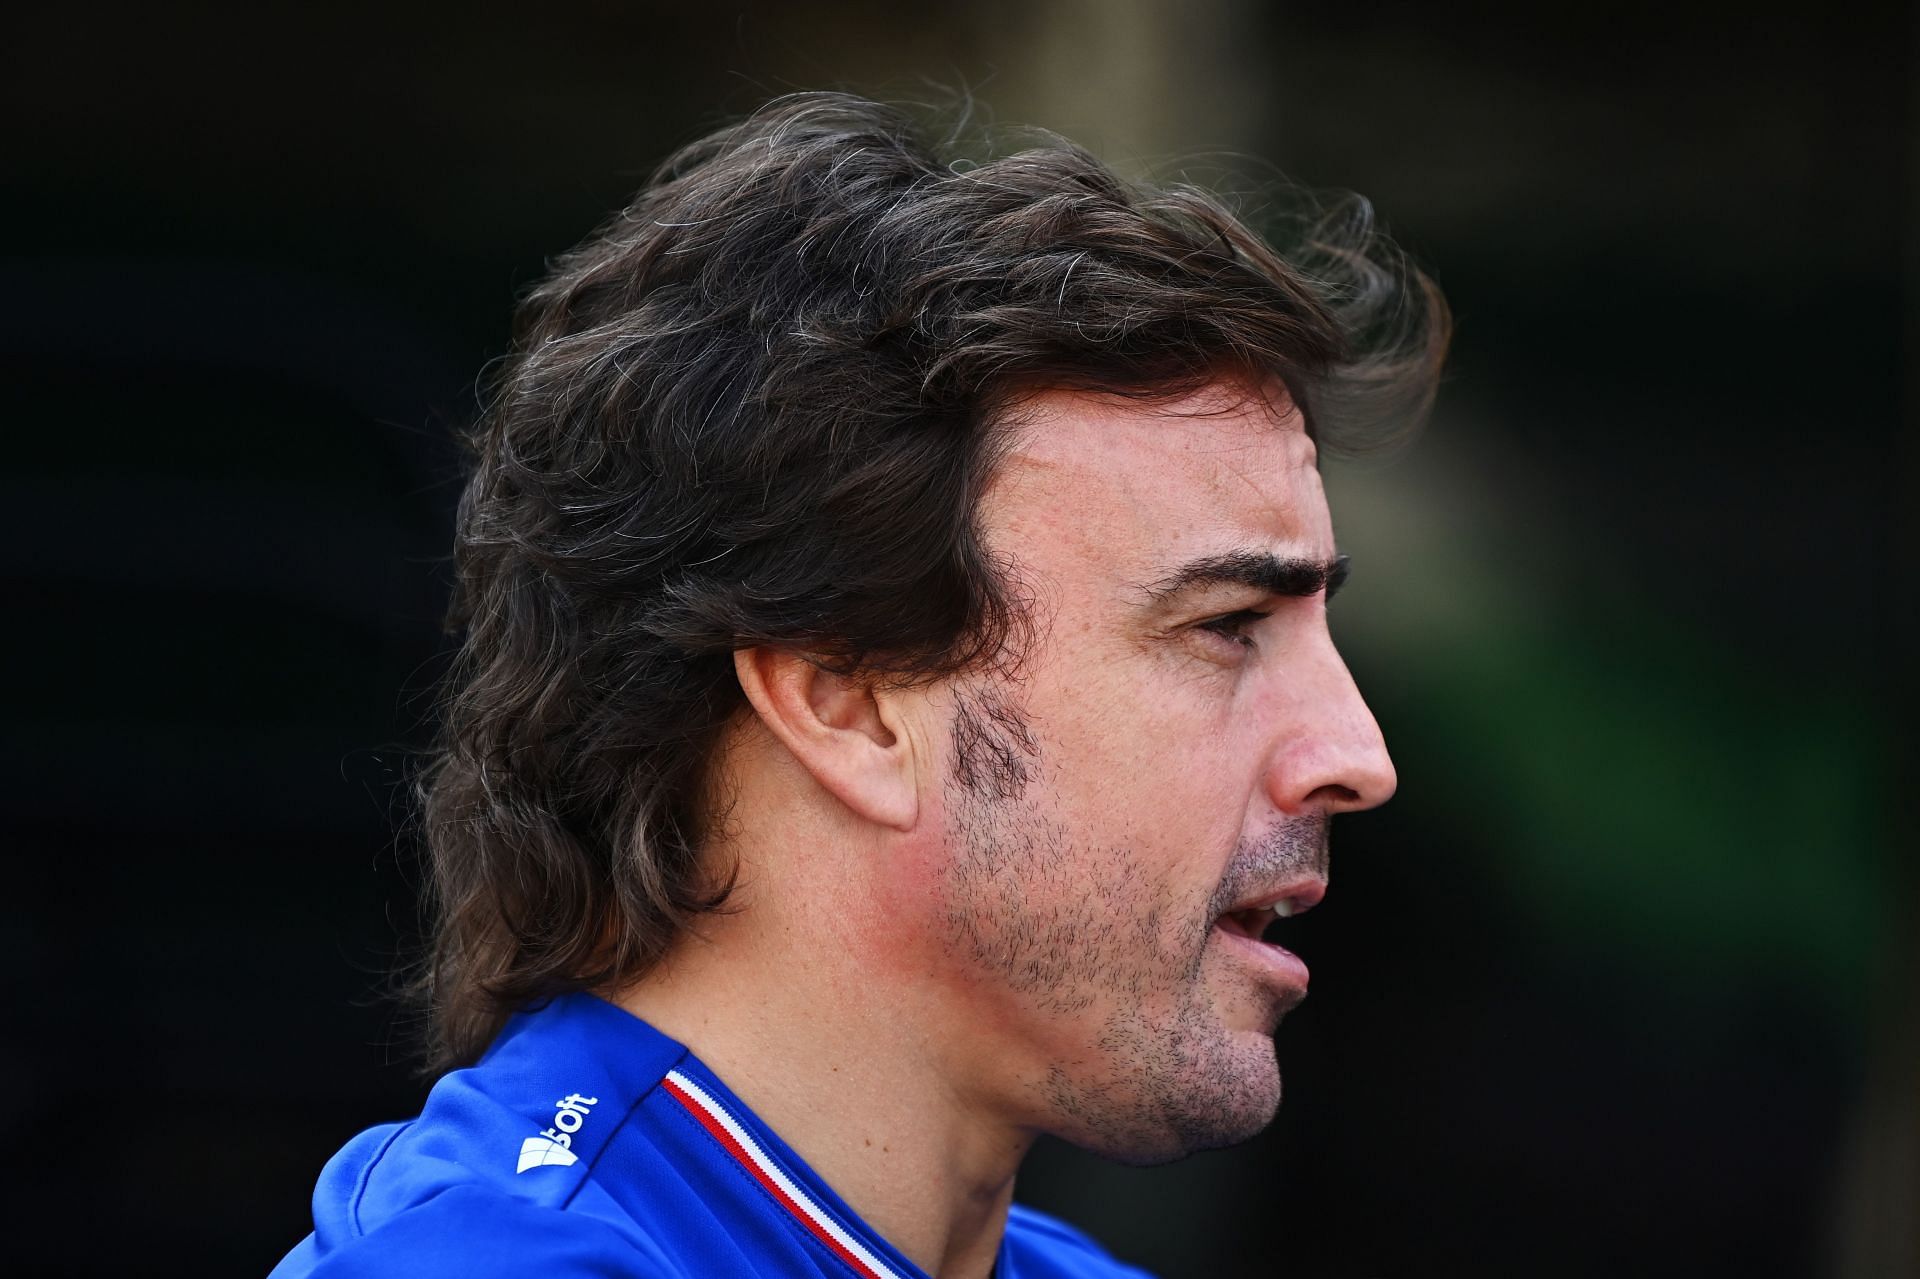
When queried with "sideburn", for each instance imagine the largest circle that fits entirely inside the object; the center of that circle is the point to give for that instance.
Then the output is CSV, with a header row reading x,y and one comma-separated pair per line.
x,y
994,749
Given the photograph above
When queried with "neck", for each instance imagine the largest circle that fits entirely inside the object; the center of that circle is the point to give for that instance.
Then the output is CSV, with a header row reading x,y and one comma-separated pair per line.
x,y
788,999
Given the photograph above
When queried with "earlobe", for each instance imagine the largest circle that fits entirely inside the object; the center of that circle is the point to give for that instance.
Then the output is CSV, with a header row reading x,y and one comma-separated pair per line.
x,y
838,729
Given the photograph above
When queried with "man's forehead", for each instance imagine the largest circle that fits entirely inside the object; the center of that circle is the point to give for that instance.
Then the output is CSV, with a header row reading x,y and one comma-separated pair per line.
x,y
1219,460
1219,427
1100,499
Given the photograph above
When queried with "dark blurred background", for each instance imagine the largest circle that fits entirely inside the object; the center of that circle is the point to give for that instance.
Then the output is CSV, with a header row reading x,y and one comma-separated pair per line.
x,y
1621,983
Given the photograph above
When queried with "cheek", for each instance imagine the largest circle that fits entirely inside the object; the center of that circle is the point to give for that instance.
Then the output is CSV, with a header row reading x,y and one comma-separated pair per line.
x,y
1125,706
903,922
1170,783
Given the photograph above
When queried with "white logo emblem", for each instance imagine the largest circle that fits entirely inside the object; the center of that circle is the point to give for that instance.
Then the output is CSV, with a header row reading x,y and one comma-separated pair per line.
x,y
554,1146
537,1152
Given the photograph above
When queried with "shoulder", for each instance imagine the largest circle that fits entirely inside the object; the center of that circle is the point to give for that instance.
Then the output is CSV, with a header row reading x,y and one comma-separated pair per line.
x,y
474,1232
1044,1247
499,1169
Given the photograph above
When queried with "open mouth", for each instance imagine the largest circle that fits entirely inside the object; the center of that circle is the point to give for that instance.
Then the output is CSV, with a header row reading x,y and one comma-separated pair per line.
x,y
1254,921
1255,926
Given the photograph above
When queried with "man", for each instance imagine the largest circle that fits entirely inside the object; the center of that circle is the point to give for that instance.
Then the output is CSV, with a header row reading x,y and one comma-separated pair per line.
x,y
896,701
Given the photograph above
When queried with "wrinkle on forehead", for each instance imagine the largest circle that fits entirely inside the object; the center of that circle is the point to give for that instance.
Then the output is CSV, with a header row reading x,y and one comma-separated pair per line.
x,y
1240,456
1270,403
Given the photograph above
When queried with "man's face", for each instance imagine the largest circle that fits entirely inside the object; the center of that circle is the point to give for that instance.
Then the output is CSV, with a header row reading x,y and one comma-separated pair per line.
x,y
1161,767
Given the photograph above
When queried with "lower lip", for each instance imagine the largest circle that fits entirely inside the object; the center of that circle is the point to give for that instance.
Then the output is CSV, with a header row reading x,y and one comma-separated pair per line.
x,y
1278,966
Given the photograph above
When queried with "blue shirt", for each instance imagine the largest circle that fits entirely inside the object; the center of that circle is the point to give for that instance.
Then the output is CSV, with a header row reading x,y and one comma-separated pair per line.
x,y
588,1143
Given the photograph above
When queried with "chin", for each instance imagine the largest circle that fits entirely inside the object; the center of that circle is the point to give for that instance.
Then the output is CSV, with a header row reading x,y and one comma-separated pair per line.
x,y
1175,1103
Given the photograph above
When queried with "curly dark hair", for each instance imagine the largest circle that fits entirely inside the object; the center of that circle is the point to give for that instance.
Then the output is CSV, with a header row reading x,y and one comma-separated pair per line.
x,y
756,407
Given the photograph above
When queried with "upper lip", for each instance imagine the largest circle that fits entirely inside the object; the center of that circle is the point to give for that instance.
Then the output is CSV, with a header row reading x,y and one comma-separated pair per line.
x,y
1251,915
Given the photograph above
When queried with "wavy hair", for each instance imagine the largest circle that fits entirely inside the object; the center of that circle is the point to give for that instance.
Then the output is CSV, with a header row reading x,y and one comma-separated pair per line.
x,y
756,407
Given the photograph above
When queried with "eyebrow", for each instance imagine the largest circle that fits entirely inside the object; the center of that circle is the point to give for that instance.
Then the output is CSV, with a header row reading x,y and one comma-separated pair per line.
x,y
1273,574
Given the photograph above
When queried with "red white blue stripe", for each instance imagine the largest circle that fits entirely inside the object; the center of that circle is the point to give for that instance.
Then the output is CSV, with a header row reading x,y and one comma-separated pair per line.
x,y
739,1143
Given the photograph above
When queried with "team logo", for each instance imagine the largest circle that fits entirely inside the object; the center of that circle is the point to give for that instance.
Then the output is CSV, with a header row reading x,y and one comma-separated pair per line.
x,y
554,1146
538,1152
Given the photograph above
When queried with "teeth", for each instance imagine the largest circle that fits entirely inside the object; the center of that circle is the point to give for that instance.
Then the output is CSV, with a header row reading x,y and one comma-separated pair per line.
x,y
1284,908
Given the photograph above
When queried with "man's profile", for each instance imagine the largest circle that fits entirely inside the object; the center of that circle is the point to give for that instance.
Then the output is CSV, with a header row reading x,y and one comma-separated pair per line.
x,y
895,700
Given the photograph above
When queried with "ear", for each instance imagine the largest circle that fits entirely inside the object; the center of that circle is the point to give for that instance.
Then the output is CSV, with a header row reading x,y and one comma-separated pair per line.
x,y
837,729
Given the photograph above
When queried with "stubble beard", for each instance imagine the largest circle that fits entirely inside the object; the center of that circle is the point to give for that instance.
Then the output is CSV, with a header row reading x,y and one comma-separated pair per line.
x,y
1082,933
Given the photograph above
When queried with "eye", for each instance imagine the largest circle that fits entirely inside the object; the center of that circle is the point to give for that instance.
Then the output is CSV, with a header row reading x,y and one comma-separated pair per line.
x,y
1233,627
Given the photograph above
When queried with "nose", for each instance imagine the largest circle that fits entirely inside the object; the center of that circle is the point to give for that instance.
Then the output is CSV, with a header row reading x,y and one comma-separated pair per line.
x,y
1327,754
